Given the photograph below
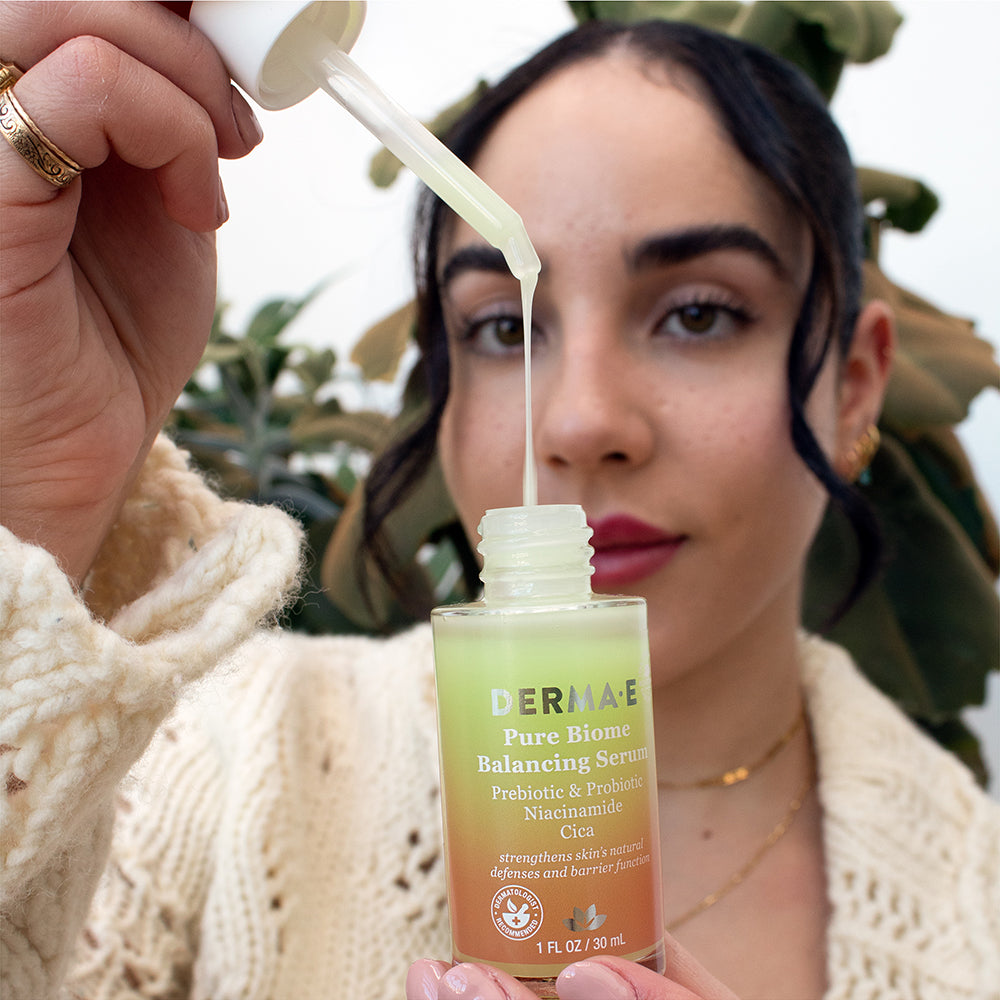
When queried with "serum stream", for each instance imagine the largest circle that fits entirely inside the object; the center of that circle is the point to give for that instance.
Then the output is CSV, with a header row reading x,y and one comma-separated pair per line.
x,y
530,488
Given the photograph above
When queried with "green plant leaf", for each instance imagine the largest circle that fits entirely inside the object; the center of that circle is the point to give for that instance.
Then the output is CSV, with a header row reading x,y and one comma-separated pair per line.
x,y
225,351
365,429
938,455
315,368
862,30
907,203
422,514
779,28
382,347
270,320
928,632
238,395
940,366
717,14
819,36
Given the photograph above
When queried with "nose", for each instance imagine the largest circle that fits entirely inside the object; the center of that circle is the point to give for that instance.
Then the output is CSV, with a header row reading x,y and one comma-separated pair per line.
x,y
593,410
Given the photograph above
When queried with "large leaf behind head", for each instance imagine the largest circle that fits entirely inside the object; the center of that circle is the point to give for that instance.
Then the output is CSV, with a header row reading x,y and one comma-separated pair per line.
x,y
928,631
941,364
818,36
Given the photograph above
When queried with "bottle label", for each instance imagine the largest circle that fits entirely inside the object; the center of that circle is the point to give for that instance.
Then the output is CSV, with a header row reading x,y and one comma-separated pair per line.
x,y
549,786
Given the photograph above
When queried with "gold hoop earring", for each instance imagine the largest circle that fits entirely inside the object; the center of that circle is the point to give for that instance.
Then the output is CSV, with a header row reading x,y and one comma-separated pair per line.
x,y
861,453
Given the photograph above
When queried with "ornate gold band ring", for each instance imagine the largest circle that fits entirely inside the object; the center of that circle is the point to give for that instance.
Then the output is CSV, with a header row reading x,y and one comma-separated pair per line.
x,y
43,156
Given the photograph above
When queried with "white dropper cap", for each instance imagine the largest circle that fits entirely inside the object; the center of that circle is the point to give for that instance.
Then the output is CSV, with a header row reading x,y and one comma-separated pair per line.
x,y
247,36
279,53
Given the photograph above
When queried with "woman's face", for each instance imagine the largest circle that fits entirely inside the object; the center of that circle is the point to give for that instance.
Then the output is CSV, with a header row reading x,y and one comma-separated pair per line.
x,y
671,280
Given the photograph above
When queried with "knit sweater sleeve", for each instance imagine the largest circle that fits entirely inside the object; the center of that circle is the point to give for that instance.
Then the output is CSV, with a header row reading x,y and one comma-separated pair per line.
x,y
912,849
86,679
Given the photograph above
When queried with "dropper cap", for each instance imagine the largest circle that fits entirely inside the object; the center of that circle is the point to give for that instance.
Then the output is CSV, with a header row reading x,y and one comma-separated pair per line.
x,y
249,37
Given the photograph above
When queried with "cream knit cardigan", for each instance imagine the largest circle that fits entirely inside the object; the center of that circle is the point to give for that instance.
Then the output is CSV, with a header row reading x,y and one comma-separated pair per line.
x,y
275,799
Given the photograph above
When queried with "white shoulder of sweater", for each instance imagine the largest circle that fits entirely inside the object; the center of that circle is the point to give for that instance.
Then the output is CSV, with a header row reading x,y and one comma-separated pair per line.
x,y
912,847
181,582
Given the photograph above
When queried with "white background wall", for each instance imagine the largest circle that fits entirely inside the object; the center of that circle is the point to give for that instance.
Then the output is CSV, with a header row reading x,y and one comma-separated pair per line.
x,y
303,210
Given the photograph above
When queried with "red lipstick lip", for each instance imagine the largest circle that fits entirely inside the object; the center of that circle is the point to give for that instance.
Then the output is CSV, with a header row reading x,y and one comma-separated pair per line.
x,y
627,550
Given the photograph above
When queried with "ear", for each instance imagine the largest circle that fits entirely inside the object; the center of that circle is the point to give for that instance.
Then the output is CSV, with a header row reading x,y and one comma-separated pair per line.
x,y
864,375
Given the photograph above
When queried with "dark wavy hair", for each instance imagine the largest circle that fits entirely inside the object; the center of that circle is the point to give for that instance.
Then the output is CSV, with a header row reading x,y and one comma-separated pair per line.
x,y
779,122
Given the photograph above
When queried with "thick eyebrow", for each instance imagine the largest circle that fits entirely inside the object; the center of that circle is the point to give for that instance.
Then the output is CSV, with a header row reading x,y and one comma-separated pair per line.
x,y
659,250
472,258
686,244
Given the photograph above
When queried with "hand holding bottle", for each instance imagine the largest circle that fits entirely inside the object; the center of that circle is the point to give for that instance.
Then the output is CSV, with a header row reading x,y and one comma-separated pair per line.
x,y
602,978
108,283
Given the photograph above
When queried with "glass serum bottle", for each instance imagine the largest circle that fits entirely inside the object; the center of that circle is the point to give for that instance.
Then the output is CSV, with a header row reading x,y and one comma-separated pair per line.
x,y
547,762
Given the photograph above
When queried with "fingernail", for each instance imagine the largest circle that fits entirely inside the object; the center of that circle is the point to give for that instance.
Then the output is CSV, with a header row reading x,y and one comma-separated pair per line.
x,y
470,983
590,981
222,208
422,980
246,121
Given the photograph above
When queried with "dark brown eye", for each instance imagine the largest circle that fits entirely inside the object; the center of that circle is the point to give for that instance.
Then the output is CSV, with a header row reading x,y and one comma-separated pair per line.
x,y
698,318
507,330
497,333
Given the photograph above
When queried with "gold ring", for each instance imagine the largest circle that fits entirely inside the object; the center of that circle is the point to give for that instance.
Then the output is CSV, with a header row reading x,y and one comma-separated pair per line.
x,y
9,75
43,156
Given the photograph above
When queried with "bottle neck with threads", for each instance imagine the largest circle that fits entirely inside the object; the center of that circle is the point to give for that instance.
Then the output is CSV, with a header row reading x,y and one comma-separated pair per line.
x,y
536,555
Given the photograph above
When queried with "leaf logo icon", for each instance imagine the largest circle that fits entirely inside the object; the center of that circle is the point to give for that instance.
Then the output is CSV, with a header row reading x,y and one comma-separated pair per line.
x,y
516,917
584,920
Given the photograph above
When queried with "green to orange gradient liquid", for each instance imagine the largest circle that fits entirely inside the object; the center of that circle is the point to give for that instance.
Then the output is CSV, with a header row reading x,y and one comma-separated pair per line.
x,y
549,786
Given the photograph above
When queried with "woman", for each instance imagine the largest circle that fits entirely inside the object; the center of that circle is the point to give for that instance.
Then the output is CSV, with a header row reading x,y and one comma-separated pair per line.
x,y
281,834
694,210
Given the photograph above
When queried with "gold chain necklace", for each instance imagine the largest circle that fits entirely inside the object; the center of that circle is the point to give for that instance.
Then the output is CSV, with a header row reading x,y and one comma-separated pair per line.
x,y
737,774
738,876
